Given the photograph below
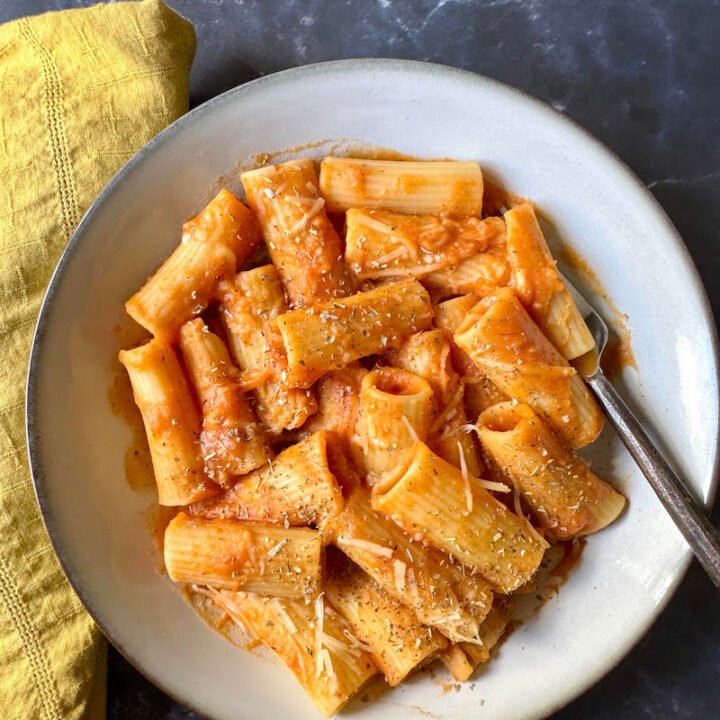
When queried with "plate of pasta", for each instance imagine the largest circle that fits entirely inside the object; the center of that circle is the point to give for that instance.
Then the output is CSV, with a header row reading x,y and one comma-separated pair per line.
x,y
354,441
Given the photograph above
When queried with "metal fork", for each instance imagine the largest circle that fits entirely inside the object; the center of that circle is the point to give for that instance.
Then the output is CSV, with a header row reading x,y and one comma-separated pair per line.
x,y
687,513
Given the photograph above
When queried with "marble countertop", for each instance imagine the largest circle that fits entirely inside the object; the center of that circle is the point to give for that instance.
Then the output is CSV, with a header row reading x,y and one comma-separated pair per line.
x,y
642,76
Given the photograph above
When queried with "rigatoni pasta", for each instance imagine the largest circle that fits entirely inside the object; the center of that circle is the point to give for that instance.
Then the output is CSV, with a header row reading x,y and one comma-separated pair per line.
x,y
396,409
303,244
508,347
462,659
428,354
248,304
442,594
397,641
232,441
297,488
427,496
370,439
380,244
283,562
172,422
565,495
540,287
444,188
331,336
312,640
213,244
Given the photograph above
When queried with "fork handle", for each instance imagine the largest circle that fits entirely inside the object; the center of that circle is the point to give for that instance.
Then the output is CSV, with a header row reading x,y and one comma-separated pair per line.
x,y
688,514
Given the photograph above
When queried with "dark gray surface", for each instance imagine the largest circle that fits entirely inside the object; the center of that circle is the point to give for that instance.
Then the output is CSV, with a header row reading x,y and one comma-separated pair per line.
x,y
644,77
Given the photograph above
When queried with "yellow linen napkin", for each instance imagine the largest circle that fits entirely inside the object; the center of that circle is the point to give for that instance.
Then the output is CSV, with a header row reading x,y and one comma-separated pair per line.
x,y
80,91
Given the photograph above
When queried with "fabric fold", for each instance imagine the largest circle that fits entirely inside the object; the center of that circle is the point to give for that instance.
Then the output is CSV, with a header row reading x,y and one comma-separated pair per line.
x,y
80,92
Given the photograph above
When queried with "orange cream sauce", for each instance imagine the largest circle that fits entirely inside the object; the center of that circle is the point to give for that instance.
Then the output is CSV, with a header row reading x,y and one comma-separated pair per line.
x,y
619,353
561,558
138,465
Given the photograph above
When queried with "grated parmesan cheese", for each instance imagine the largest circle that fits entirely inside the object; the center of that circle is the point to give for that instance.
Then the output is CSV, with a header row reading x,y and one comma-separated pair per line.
x,y
388,257
307,217
326,661
338,646
494,486
366,545
381,227
273,551
466,478
287,619
410,429
319,623
442,417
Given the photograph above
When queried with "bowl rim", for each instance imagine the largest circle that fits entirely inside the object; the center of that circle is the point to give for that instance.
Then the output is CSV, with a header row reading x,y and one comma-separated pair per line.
x,y
236,94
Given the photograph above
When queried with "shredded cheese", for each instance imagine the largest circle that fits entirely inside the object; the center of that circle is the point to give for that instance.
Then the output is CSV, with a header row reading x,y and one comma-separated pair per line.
x,y
326,661
307,218
355,642
273,551
251,379
373,224
472,640
339,647
388,257
298,200
366,545
319,622
466,478
410,429
442,417
494,486
287,619
417,271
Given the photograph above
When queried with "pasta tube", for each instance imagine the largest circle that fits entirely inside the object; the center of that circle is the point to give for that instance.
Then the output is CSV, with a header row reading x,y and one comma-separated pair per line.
x,y
232,441
428,496
448,188
480,394
213,245
286,562
325,338
398,643
396,408
508,347
381,244
565,496
338,397
462,659
539,286
171,420
441,594
449,314
248,303
303,244
427,354
312,640
480,274
299,487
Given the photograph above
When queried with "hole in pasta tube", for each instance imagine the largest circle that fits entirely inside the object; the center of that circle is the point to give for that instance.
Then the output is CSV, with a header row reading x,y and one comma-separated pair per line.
x,y
339,464
504,417
388,480
395,381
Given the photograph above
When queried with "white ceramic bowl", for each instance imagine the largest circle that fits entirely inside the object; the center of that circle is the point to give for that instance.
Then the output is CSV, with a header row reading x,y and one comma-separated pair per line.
x,y
97,522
